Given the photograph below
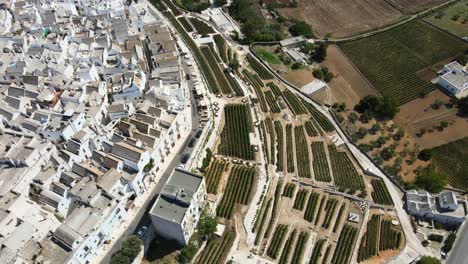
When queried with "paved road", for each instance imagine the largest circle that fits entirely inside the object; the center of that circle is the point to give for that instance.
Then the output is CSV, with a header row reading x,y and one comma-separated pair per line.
x,y
142,217
459,254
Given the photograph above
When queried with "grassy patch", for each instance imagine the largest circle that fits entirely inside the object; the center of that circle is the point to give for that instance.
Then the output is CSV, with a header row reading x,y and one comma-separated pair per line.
x,y
269,57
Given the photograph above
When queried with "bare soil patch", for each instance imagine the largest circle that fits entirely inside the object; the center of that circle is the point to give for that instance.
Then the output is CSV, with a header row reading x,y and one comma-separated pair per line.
x,y
412,6
299,77
343,18
348,86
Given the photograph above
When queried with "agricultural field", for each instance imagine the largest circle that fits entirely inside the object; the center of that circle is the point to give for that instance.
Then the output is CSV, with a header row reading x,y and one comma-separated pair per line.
x,y
259,68
212,60
343,251
343,18
316,253
453,18
380,192
413,6
451,159
201,27
302,153
240,183
279,146
277,240
345,174
213,175
234,138
301,199
294,103
185,24
320,162
289,190
216,249
399,79
289,149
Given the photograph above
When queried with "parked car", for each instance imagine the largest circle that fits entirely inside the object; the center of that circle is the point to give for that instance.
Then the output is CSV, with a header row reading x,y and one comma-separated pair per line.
x,y
141,233
184,158
198,134
191,143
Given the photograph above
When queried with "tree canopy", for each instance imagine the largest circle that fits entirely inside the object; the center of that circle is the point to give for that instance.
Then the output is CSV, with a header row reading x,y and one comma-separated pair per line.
x,y
207,225
130,249
430,180
463,105
375,106
428,260
301,28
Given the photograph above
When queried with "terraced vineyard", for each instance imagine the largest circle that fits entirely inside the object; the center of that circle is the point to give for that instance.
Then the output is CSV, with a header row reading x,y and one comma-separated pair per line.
x,y
259,224
173,8
338,218
317,251
234,84
345,175
311,131
300,200
271,100
391,60
311,206
343,250
258,68
271,131
214,66
389,237
320,210
289,190
294,103
320,162
185,24
330,209
213,175
214,251
201,27
302,153
277,240
235,139
288,247
320,119
289,149
279,146
300,247
237,190
370,241
258,90
221,46
380,194
275,89
451,159
274,212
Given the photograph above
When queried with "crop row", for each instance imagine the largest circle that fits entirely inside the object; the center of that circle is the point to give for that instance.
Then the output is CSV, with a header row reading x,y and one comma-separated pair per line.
x,y
215,250
311,206
338,217
330,212
288,247
289,190
201,27
213,175
345,245
320,162
294,103
300,247
270,98
317,251
234,84
277,239
344,173
258,90
380,194
321,119
289,149
311,130
271,131
175,10
369,242
319,212
215,67
258,68
253,79
185,24
276,204
239,186
389,238
300,200
221,45
275,89
263,136
302,153
280,146
235,139
260,221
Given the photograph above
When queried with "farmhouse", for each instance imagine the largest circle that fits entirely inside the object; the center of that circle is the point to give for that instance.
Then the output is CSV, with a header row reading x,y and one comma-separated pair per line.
x,y
294,42
177,209
444,207
454,79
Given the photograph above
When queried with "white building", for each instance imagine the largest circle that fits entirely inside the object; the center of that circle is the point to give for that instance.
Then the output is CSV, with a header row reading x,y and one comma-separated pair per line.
x,y
443,207
454,79
177,209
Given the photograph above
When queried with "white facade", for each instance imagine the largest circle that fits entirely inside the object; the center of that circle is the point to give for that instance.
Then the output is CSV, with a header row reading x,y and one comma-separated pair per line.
x,y
454,79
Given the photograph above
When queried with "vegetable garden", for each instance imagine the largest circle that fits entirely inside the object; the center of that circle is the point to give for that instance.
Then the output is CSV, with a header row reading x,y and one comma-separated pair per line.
x,y
288,247
370,241
289,149
345,245
311,206
301,197
235,139
238,189
300,247
294,103
344,173
317,252
213,175
201,27
277,240
320,162
218,73
258,68
302,153
215,249
380,194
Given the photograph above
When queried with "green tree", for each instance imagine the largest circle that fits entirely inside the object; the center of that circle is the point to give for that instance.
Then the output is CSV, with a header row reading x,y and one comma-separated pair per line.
x,y
234,64
463,105
301,28
320,52
187,253
207,225
390,107
448,244
130,249
318,73
425,154
430,180
296,66
428,260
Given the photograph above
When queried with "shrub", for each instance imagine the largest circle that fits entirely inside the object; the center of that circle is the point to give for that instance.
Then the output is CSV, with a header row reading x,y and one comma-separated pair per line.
x,y
130,249
430,180
301,28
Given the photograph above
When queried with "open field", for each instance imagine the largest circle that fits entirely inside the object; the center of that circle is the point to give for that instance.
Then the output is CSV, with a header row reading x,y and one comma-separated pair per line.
x,y
412,6
391,60
451,159
343,18
453,19
348,86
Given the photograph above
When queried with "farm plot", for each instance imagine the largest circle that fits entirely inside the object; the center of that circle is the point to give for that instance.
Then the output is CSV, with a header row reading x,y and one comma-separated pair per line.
x,y
259,68
370,241
311,130
453,19
391,60
311,206
389,237
288,247
258,89
330,212
320,162
221,46
275,89
271,100
175,10
218,73
271,131
320,209
300,247
321,120
274,212
294,103
185,24
289,190
237,190
213,175
277,240
280,146
289,149
451,159
411,6
343,250
201,27
380,194
234,84
261,220
216,250
338,217
235,139
302,153
345,175
317,251
300,200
